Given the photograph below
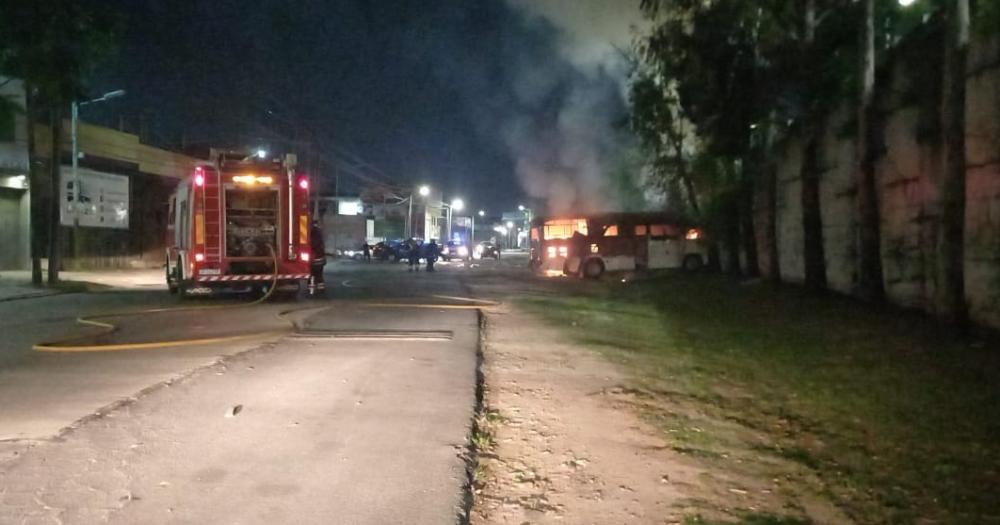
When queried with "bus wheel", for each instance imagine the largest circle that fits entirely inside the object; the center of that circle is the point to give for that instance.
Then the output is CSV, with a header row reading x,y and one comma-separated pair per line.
x,y
593,268
693,263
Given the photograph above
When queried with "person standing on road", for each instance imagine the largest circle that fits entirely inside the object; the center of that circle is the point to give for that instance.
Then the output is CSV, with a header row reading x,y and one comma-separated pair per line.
x,y
432,255
414,255
366,251
318,248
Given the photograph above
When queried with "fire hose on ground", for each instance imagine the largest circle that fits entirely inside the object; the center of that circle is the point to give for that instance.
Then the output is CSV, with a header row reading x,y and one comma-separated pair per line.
x,y
67,345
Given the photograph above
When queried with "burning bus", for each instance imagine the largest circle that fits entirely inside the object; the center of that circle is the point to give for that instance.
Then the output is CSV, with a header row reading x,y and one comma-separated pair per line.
x,y
241,221
588,246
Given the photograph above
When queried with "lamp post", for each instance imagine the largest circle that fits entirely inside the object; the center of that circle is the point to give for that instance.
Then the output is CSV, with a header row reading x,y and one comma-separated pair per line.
x,y
74,125
457,205
472,237
424,190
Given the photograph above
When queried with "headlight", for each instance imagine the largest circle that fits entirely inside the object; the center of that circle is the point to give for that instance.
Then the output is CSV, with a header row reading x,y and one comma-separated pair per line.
x,y
463,251
551,251
563,251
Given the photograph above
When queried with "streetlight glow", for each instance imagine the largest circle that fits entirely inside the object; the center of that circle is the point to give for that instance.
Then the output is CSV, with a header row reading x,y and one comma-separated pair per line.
x,y
906,3
113,94
482,213
458,204
510,225
520,207
261,154
424,190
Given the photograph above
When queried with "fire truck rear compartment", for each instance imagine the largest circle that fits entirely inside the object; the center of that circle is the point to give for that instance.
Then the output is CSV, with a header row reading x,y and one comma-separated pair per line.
x,y
251,226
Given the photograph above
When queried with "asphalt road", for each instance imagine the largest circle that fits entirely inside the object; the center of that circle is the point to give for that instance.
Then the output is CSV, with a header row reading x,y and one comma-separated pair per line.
x,y
360,416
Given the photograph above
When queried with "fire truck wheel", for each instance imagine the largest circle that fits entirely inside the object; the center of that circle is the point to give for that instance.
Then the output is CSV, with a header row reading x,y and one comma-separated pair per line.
x,y
171,283
593,268
181,285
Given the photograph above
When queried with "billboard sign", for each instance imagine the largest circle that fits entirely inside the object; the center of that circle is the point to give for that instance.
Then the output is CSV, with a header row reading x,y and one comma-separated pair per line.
x,y
100,200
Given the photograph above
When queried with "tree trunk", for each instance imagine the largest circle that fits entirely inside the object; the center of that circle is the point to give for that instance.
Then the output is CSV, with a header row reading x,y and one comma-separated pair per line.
x,y
747,231
870,285
682,173
34,188
731,233
950,288
813,252
55,164
771,201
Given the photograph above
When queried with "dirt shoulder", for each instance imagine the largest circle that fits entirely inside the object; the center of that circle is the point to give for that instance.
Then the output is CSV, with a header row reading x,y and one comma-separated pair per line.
x,y
567,439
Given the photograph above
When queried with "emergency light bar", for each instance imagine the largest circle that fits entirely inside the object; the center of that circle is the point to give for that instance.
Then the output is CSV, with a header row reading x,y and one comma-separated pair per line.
x,y
250,180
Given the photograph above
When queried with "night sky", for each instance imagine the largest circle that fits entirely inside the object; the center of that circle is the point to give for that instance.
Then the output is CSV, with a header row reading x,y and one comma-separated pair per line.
x,y
496,101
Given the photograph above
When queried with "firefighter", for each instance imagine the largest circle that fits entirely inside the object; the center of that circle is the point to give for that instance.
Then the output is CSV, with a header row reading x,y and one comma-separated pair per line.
x,y
432,255
318,248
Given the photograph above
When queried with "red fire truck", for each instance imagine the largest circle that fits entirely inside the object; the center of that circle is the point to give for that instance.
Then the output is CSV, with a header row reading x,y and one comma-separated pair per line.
x,y
239,221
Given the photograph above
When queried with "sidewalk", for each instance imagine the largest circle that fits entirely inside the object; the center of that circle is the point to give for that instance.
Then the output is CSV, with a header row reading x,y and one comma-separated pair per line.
x,y
17,284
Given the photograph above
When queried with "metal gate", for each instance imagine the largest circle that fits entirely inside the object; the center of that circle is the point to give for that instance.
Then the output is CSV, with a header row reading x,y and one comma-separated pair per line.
x,y
11,234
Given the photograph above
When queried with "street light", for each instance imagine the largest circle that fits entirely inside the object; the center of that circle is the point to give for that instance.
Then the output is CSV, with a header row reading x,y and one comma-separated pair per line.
x,y
906,3
482,213
424,190
457,205
520,207
74,125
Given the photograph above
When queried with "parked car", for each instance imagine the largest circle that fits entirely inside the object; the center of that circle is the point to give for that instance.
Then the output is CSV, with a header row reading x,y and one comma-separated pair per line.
x,y
487,249
391,250
394,250
454,250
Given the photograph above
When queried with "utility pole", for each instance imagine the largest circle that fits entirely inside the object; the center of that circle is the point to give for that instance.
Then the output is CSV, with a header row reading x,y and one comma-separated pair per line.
x,y
74,162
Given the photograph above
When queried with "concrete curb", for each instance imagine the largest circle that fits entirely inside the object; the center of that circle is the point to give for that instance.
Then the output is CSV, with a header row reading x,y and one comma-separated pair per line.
x,y
35,295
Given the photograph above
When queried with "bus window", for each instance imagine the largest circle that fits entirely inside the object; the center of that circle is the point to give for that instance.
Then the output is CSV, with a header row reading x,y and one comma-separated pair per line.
x,y
663,231
611,231
640,230
564,228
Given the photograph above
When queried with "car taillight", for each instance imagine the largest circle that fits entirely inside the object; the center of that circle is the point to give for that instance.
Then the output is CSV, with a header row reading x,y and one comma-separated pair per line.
x,y
304,183
199,257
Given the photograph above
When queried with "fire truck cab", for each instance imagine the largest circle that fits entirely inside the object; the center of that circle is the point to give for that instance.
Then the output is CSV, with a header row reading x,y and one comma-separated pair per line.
x,y
239,221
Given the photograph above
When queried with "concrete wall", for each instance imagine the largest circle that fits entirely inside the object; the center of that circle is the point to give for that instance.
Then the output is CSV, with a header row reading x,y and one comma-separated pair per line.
x,y
907,177
153,175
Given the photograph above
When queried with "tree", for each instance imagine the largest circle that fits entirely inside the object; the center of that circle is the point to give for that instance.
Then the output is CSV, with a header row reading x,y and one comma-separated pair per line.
x,y
659,124
950,289
812,220
719,58
53,45
870,285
